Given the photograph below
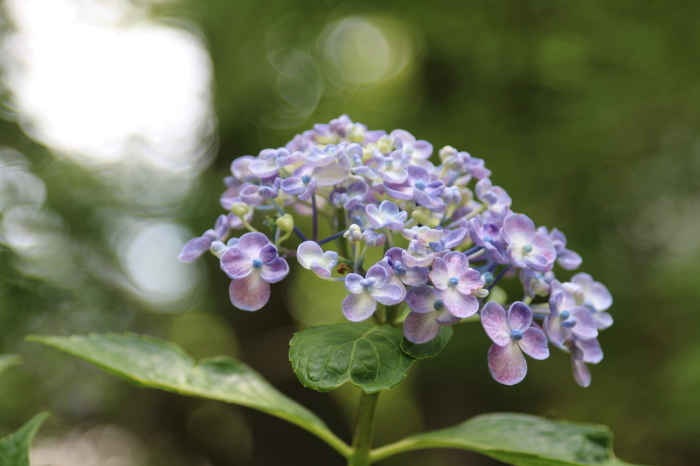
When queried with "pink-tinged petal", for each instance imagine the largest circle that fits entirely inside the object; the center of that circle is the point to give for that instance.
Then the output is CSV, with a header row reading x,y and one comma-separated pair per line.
x,y
517,257
417,261
455,237
420,328
402,192
469,281
457,263
603,320
507,363
249,293
389,294
394,176
319,270
538,262
415,276
460,305
569,260
586,326
293,185
422,299
600,297
379,273
416,173
195,247
495,323
252,243
275,270
352,283
444,318
440,275
556,332
359,307
591,351
374,216
236,263
268,253
308,252
518,229
394,253
331,174
541,244
534,343
519,316
422,150
581,373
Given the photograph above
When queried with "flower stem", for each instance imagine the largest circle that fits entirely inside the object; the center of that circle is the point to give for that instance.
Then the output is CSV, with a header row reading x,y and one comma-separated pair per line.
x,y
362,437
314,208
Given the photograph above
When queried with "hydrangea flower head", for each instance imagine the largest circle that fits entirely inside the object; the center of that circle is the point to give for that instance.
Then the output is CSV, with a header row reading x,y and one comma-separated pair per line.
x,y
444,234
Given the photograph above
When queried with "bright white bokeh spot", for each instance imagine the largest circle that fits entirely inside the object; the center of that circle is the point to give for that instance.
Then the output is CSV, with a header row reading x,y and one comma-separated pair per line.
x,y
148,253
362,51
101,83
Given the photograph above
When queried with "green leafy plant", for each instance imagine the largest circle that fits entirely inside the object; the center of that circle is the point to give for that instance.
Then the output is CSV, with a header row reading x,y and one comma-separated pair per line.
x,y
444,247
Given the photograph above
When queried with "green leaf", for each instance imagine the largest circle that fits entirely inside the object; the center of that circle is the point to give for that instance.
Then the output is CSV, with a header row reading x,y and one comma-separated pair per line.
x,y
429,349
150,362
519,440
9,360
367,355
14,449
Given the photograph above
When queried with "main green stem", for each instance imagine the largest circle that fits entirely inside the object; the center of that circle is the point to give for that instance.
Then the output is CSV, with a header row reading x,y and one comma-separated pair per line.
x,y
362,437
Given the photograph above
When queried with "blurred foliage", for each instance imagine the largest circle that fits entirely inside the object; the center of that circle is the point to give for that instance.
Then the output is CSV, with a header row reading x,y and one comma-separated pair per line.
x,y
587,113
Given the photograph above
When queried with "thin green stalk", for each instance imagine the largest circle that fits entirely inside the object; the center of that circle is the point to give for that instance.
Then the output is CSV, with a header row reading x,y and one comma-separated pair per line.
x,y
392,449
362,437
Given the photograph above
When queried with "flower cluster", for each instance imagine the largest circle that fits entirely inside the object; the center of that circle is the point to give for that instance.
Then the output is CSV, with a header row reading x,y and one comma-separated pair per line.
x,y
448,236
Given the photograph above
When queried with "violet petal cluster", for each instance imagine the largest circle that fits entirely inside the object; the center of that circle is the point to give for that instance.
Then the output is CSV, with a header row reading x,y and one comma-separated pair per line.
x,y
447,235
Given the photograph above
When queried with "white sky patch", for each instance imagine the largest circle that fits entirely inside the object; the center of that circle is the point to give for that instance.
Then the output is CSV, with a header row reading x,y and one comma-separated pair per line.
x,y
103,84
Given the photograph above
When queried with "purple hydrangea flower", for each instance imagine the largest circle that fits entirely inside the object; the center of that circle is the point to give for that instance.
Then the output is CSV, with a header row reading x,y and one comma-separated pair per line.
x,y
527,247
417,187
418,151
534,283
387,215
488,236
311,256
253,264
265,166
567,318
496,197
456,280
349,197
373,239
418,254
428,314
195,247
365,292
582,352
392,168
596,298
413,276
569,260
512,335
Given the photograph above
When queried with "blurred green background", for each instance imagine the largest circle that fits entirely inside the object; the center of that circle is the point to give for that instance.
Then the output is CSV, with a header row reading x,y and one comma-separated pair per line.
x,y
120,119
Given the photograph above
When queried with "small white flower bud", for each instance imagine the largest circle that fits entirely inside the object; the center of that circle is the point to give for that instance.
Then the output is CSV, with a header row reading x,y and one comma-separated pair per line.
x,y
354,234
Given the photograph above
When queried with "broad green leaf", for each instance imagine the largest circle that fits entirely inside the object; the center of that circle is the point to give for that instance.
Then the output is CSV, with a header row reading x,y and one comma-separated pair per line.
x,y
14,449
519,440
366,355
8,360
155,363
429,349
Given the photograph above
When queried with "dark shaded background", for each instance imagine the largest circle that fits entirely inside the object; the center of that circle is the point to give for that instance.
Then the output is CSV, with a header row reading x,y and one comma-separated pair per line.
x,y
588,113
